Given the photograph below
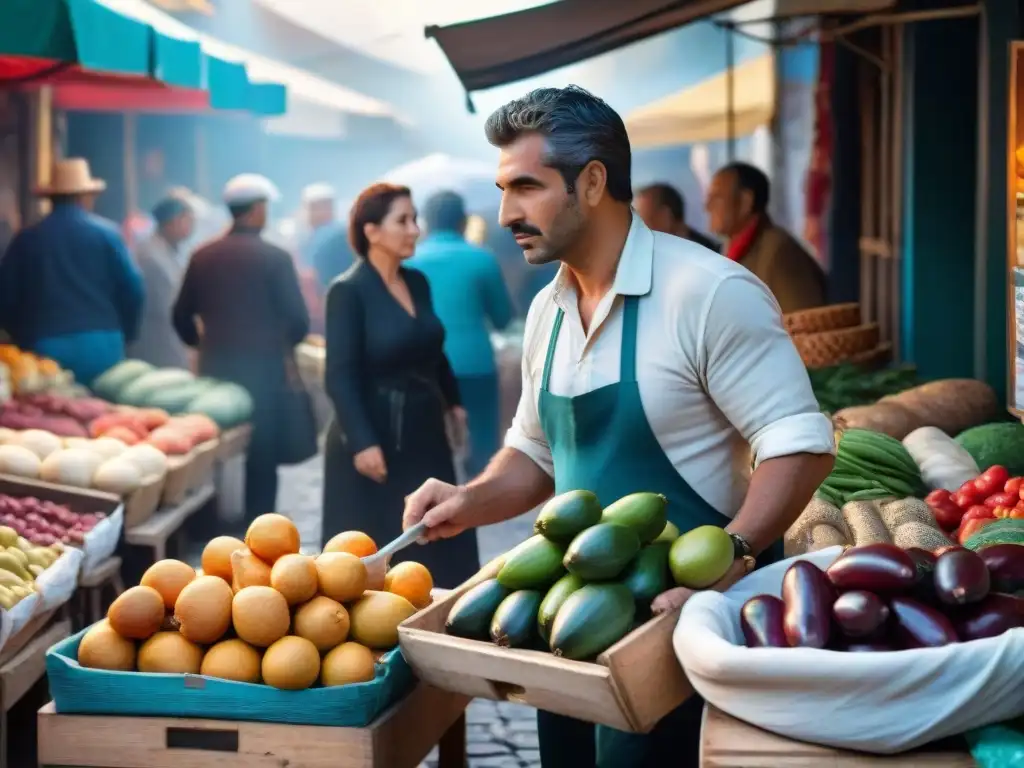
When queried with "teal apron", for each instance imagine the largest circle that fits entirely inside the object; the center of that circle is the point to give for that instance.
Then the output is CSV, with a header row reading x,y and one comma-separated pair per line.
x,y
601,441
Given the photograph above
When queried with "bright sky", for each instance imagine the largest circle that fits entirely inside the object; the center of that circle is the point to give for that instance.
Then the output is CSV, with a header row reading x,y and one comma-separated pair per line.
x,y
391,30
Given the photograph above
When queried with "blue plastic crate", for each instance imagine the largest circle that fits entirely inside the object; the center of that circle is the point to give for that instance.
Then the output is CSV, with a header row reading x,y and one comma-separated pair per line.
x,y
79,690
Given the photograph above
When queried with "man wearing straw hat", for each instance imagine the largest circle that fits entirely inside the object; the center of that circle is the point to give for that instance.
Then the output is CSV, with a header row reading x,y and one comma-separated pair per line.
x,y
69,289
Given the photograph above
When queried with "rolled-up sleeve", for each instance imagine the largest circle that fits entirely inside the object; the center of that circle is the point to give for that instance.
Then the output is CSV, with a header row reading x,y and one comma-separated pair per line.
x,y
756,377
526,434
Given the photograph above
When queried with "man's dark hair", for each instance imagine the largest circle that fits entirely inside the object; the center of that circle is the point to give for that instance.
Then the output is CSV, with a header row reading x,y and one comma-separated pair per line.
x,y
668,196
372,205
445,212
579,128
752,180
238,210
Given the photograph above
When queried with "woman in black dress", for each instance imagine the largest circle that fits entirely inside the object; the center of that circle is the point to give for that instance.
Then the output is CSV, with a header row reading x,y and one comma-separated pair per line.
x,y
391,386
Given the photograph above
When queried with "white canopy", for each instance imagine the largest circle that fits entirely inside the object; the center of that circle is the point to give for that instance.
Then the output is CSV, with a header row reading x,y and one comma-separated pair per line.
x,y
701,112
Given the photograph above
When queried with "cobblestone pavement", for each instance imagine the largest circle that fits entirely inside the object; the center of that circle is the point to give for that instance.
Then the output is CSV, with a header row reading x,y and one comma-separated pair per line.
x,y
499,734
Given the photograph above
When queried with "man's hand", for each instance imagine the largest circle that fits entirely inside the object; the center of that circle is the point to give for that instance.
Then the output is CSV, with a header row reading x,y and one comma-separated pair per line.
x,y
669,601
440,505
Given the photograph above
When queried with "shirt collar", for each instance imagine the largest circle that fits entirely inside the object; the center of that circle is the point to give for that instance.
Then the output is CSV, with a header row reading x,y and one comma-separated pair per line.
x,y
633,276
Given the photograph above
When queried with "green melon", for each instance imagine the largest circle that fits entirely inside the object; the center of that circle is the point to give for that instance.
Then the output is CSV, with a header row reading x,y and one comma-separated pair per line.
x,y
139,391
109,384
227,404
175,398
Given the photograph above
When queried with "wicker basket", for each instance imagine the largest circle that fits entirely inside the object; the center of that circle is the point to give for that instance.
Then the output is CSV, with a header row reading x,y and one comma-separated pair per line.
x,y
820,350
821,319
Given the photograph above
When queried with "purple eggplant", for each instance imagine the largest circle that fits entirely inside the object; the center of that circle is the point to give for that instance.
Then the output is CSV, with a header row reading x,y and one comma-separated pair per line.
x,y
879,568
919,625
762,621
924,582
860,614
994,615
1005,566
808,597
961,577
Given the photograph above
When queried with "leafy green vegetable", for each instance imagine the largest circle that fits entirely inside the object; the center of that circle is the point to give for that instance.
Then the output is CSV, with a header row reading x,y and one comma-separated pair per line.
x,y
847,385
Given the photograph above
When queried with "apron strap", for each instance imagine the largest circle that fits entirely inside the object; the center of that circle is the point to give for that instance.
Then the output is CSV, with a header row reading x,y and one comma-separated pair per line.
x,y
627,363
555,328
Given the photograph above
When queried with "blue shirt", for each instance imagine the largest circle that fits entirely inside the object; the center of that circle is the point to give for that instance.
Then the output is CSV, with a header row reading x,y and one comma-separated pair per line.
x,y
469,296
69,274
328,252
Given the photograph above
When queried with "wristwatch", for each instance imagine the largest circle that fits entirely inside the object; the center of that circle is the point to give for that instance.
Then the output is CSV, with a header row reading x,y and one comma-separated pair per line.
x,y
743,551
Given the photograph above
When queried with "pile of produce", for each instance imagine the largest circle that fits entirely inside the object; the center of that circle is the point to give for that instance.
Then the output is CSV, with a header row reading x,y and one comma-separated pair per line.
x,y
63,416
870,465
579,585
31,373
905,522
104,464
174,436
174,390
260,612
847,385
883,598
21,561
43,523
991,496
952,405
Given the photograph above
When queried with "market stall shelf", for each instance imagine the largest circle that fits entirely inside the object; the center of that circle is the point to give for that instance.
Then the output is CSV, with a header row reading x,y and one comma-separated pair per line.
x,y
23,663
177,483
234,442
631,686
400,738
159,529
142,503
730,743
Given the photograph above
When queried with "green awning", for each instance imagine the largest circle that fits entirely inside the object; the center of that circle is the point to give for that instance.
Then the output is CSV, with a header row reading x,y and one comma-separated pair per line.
x,y
82,32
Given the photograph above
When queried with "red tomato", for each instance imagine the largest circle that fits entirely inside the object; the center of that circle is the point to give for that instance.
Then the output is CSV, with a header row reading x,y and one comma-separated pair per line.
x,y
977,512
1013,485
991,480
970,491
947,513
1002,500
963,499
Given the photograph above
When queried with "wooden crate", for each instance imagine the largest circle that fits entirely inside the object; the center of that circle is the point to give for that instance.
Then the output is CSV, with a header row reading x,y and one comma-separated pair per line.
x,y
730,743
400,738
204,457
234,441
631,686
178,481
141,504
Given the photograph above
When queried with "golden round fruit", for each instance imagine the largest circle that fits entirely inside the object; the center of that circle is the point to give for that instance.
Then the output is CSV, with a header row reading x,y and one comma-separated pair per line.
x,y
203,610
260,615
232,660
291,664
341,576
137,613
346,664
102,648
168,577
170,653
322,621
272,536
217,553
295,577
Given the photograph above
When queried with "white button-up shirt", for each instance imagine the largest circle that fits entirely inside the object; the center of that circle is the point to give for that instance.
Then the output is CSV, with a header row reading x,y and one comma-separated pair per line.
x,y
719,376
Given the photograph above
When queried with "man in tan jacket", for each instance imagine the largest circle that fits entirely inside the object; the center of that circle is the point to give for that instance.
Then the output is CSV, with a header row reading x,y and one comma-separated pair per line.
x,y
737,206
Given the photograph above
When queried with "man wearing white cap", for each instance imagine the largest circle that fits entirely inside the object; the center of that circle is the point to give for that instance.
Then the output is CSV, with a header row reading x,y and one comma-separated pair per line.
x,y
245,293
69,289
326,247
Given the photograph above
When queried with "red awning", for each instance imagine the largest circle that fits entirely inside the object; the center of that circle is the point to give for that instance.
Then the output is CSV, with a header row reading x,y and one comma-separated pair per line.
x,y
78,89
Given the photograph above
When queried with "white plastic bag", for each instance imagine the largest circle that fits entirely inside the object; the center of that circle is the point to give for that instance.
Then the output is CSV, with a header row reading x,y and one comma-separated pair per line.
x,y
101,541
57,583
873,702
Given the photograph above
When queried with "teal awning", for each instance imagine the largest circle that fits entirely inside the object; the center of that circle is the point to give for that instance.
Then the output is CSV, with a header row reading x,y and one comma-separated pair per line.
x,y
81,32
177,62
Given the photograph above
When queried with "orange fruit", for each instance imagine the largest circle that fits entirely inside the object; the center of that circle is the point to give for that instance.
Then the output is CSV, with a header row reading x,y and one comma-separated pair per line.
x,y
354,542
410,580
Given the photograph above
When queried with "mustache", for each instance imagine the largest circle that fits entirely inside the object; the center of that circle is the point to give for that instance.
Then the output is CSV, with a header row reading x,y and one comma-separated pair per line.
x,y
521,228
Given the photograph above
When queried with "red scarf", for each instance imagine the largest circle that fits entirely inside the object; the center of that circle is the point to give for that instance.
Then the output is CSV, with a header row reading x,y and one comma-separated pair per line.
x,y
740,245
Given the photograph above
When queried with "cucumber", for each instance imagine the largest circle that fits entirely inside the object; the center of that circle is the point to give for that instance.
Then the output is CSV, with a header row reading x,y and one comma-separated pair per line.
x,y
648,575
553,601
601,552
514,624
591,620
567,514
471,615
643,512
534,564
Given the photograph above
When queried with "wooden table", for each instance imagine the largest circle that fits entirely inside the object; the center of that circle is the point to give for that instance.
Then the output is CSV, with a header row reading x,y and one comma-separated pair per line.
x,y
23,668
730,743
167,523
400,738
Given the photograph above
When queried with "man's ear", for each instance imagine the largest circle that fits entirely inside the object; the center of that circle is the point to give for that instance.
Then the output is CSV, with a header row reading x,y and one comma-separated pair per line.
x,y
746,199
593,181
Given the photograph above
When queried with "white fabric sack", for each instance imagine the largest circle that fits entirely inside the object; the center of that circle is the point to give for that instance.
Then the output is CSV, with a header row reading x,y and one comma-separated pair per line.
x,y
874,702
57,584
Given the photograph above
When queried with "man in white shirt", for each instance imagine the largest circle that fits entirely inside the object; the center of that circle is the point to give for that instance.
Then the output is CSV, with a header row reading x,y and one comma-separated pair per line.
x,y
649,364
